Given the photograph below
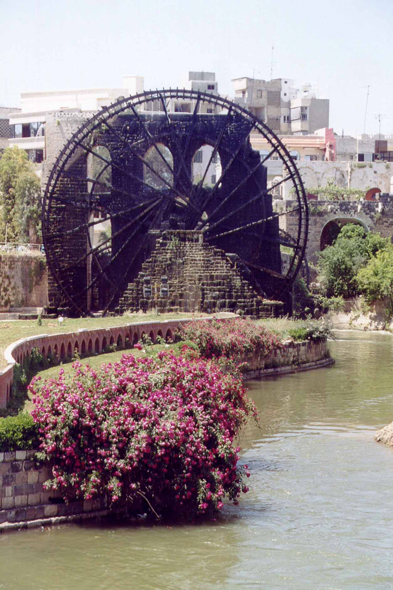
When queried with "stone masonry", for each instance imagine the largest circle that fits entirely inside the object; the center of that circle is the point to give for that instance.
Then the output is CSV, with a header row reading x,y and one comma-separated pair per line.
x,y
185,274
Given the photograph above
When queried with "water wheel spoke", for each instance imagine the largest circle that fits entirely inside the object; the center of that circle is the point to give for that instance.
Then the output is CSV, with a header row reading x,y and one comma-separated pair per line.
x,y
252,224
126,273
125,172
102,246
222,176
213,153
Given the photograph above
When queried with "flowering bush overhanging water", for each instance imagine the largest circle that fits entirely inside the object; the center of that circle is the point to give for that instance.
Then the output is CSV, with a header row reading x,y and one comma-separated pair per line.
x,y
159,428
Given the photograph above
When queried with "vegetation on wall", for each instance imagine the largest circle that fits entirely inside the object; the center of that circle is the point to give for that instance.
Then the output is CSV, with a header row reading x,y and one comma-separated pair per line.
x,y
333,192
358,263
20,198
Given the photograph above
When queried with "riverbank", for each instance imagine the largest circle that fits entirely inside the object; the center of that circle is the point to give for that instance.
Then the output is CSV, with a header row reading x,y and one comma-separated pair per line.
x,y
24,501
357,316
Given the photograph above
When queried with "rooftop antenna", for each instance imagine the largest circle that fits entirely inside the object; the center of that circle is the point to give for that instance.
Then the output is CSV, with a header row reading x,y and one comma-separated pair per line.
x,y
379,117
271,64
365,114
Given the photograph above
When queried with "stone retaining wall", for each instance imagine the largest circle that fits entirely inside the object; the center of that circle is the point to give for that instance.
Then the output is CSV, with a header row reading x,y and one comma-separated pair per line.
x,y
24,503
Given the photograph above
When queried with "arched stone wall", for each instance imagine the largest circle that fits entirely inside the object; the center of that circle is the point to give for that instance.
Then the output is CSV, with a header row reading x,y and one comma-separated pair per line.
x,y
63,344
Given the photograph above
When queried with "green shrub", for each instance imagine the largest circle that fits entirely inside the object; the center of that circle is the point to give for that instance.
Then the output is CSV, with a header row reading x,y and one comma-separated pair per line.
x,y
18,433
314,330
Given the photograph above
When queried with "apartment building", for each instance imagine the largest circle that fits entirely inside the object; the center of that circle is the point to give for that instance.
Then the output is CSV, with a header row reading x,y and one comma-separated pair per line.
x,y
283,107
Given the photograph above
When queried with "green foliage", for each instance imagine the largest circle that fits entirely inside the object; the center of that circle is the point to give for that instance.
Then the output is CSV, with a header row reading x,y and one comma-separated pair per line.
x,y
376,278
20,197
333,192
18,433
339,264
314,330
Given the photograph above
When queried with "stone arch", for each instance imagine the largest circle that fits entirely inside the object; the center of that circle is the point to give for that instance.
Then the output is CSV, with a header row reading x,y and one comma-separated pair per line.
x,y
206,166
168,335
104,344
43,351
49,350
97,346
69,349
83,347
62,351
159,333
119,341
371,194
158,173
127,340
151,336
111,341
135,338
90,346
56,351
332,228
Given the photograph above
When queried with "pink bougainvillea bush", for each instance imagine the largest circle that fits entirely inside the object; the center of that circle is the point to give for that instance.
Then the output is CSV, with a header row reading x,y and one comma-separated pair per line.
x,y
159,428
234,337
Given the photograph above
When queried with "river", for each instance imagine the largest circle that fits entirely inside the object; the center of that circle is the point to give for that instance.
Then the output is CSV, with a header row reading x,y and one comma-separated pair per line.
x,y
319,514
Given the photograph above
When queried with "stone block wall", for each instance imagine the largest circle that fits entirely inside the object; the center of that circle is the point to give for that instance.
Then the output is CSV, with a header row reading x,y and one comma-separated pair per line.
x,y
198,277
23,498
23,281
376,216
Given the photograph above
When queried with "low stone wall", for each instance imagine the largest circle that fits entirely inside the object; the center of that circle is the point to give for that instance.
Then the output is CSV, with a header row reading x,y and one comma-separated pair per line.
x,y
87,342
294,357
24,503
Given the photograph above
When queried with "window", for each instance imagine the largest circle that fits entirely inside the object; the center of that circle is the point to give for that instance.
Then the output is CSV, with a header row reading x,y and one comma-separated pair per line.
x,y
210,86
286,118
310,158
206,166
198,158
158,174
304,113
295,155
210,111
35,156
259,93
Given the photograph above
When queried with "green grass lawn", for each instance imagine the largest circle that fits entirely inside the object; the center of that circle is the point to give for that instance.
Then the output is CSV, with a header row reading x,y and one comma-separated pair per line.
x,y
11,331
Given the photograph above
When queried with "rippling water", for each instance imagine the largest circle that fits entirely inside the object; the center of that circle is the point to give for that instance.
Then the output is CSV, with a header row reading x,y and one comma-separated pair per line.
x,y
319,514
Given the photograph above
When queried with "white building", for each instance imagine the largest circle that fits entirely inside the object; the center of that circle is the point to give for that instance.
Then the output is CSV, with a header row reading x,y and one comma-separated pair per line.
x,y
27,126
284,108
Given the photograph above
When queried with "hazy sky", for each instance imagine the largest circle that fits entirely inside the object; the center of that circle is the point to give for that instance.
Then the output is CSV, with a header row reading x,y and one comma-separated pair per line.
x,y
340,46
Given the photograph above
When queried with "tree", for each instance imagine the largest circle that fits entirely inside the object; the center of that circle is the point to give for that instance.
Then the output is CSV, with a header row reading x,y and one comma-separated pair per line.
x,y
375,280
339,264
20,197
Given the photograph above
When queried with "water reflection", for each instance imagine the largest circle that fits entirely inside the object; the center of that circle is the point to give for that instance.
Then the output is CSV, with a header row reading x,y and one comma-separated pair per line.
x,y
318,515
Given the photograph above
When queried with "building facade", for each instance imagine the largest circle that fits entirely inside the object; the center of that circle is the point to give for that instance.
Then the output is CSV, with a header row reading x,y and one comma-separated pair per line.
x,y
27,125
284,108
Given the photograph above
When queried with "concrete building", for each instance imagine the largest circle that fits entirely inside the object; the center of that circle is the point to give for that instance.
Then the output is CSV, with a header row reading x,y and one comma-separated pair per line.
x,y
365,148
5,129
284,108
197,81
27,125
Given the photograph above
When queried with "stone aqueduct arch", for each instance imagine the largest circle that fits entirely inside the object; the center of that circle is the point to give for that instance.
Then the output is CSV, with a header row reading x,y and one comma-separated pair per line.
x,y
374,215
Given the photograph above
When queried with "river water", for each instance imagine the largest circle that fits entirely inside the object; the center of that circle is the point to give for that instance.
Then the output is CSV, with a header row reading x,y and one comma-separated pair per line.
x,y
319,514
